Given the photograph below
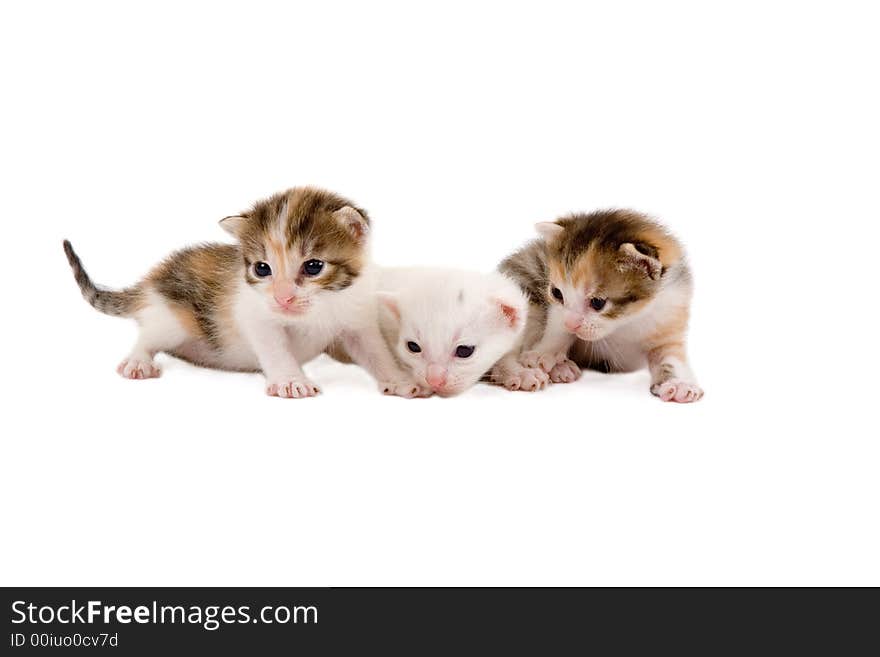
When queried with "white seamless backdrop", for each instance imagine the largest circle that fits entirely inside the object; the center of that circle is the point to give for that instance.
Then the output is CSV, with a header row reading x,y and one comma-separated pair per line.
x,y
750,128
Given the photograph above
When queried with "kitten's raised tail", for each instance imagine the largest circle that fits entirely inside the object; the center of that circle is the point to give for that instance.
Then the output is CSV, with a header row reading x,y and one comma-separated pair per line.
x,y
119,303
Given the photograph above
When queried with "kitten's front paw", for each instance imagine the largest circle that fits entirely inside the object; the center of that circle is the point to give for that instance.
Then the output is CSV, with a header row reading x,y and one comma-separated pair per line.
x,y
292,388
528,379
405,389
677,390
565,372
132,368
540,360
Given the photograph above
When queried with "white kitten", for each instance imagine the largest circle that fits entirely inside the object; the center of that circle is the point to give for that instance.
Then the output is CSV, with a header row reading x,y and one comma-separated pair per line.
x,y
449,327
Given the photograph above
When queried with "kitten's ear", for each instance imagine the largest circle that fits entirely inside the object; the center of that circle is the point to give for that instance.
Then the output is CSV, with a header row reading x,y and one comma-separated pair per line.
x,y
548,230
389,302
353,221
511,315
234,224
632,258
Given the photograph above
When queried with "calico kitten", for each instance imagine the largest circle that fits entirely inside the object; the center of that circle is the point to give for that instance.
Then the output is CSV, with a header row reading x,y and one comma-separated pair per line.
x,y
448,327
618,281
298,279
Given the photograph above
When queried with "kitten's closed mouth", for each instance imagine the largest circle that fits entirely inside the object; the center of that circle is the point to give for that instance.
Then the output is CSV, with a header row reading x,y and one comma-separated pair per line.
x,y
445,392
293,310
587,336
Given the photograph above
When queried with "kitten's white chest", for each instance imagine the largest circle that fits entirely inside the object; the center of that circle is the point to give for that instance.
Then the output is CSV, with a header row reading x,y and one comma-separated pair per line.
x,y
621,352
306,345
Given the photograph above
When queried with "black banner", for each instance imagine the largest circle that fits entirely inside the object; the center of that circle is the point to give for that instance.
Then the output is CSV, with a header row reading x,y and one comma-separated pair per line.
x,y
132,621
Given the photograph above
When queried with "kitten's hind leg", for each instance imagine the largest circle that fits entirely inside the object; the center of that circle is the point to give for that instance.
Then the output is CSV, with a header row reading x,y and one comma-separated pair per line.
x,y
139,364
161,329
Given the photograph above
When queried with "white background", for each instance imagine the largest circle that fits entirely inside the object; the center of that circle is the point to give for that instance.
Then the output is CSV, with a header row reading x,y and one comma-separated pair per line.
x,y
751,129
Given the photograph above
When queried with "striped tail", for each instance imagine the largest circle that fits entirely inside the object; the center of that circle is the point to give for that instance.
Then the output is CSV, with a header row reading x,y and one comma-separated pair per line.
x,y
119,303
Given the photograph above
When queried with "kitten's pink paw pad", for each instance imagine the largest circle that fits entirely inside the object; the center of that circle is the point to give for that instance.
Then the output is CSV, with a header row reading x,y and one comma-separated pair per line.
x,y
293,389
406,389
540,360
527,379
676,390
131,368
565,372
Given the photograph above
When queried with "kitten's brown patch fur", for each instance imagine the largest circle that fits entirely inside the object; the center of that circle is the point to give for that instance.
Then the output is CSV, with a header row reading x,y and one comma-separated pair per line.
x,y
529,268
195,281
188,320
607,229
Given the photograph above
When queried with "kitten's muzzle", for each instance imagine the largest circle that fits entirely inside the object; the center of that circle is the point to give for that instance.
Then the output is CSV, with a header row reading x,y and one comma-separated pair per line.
x,y
292,306
435,376
287,298
572,322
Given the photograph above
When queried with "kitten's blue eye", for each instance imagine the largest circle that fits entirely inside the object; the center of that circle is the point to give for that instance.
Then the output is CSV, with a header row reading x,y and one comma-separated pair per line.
x,y
464,351
313,267
557,293
413,347
597,304
262,269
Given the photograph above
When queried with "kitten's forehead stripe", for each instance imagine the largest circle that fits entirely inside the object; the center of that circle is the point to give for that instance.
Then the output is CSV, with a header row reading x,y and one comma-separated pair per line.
x,y
282,212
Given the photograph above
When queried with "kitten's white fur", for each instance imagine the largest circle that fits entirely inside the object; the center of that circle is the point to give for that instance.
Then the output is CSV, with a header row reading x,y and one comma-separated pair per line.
x,y
441,309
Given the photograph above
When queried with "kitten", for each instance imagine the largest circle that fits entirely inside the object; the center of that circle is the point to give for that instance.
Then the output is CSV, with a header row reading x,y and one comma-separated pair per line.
x,y
448,327
618,281
299,279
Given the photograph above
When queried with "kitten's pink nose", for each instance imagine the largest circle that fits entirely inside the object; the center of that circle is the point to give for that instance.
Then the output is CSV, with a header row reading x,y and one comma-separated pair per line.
x,y
285,295
436,376
284,302
572,322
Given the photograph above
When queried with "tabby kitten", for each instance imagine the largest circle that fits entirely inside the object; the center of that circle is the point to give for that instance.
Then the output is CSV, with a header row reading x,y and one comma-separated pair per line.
x,y
609,290
298,280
